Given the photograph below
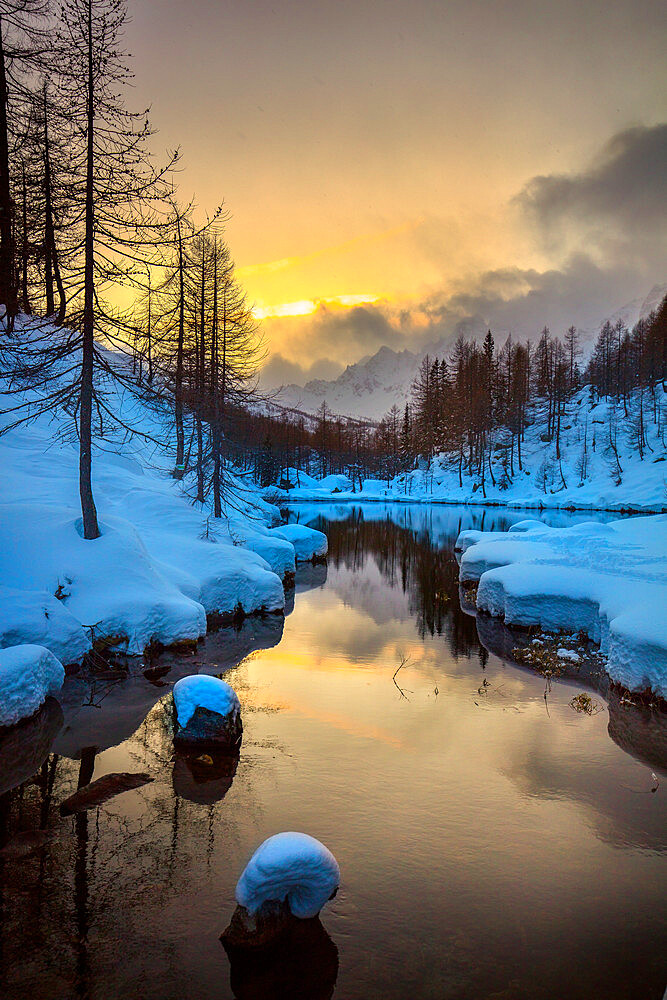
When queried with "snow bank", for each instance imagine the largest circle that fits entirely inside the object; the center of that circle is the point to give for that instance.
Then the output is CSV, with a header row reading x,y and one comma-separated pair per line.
x,y
609,580
37,618
308,543
28,675
203,691
292,867
109,585
161,564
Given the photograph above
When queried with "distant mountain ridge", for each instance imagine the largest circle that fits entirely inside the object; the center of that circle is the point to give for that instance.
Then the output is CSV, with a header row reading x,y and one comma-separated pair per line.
x,y
371,386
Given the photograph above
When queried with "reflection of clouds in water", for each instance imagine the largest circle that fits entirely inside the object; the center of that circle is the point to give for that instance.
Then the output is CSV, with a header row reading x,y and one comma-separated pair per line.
x,y
615,798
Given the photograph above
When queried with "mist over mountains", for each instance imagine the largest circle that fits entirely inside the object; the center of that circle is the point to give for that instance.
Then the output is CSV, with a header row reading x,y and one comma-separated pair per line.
x,y
371,386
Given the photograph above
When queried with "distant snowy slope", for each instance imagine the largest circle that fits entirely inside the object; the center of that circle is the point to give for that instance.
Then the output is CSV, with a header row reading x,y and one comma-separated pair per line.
x,y
543,481
371,386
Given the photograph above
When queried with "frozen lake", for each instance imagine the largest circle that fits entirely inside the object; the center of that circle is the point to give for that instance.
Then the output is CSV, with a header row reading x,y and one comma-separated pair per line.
x,y
492,844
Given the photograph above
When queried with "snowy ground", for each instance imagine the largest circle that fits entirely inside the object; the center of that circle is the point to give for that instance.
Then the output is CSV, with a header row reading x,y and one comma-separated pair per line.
x,y
585,429
608,580
160,566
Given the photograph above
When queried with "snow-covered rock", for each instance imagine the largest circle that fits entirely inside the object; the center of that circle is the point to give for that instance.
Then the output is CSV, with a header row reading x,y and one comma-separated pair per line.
x,y
28,675
207,712
291,867
308,543
608,580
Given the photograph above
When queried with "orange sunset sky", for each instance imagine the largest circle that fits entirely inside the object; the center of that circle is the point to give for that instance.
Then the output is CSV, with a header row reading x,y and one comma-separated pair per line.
x,y
397,169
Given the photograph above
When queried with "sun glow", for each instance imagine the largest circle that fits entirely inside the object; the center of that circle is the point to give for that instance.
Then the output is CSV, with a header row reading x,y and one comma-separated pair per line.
x,y
305,307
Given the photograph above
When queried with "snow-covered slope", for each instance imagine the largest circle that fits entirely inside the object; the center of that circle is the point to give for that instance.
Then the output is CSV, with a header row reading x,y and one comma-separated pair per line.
x,y
160,565
373,385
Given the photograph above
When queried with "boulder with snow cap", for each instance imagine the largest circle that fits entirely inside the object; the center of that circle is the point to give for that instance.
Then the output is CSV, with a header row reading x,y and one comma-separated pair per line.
x,y
290,875
207,713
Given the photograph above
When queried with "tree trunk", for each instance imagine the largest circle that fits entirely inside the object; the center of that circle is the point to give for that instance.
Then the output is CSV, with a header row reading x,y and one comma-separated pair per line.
x,y
8,292
178,387
88,511
25,301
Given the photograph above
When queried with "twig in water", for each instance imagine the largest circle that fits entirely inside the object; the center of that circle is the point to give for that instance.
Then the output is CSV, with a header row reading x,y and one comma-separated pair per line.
x,y
404,660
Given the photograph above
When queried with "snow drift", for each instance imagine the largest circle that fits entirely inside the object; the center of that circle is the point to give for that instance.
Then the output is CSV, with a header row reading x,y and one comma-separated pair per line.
x,y
609,580
28,675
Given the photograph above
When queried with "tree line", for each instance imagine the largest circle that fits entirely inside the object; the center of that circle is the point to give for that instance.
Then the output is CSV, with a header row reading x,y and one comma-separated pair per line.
x,y
475,405
110,287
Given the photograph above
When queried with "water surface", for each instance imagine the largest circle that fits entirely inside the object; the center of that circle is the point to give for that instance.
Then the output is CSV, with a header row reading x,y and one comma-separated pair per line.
x,y
492,844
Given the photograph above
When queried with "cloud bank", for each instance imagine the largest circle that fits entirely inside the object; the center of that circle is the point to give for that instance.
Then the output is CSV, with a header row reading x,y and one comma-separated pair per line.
x,y
603,227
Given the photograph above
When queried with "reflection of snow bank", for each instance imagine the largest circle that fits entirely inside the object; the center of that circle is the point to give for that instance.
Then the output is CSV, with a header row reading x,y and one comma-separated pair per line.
x,y
28,675
609,580
292,867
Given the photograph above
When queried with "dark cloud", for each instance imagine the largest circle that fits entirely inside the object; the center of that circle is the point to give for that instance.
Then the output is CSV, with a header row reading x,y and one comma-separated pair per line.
x,y
580,292
507,300
621,196
606,228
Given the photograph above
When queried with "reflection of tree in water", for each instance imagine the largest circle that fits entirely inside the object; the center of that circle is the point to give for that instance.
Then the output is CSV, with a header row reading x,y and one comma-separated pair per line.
x,y
85,900
408,558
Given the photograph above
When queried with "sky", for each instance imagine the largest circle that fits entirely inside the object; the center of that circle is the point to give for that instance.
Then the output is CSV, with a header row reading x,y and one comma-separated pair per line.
x,y
398,171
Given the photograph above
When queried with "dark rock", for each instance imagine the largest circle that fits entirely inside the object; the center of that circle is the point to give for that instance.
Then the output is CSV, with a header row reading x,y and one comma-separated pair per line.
x,y
99,791
25,746
210,729
257,930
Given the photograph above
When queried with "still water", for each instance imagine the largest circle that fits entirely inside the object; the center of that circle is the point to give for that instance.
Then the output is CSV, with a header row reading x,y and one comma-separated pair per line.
x,y
492,844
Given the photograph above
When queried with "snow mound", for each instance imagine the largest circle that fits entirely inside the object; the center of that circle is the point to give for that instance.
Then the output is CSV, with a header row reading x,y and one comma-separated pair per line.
x,y
308,543
109,585
28,675
37,618
203,691
608,580
292,867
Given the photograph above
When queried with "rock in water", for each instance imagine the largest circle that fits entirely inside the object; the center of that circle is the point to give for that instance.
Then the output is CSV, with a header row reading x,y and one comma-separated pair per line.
x,y
291,875
207,713
99,791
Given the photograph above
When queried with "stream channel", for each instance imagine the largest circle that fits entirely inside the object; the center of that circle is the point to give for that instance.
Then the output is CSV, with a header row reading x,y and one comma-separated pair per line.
x,y
494,843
